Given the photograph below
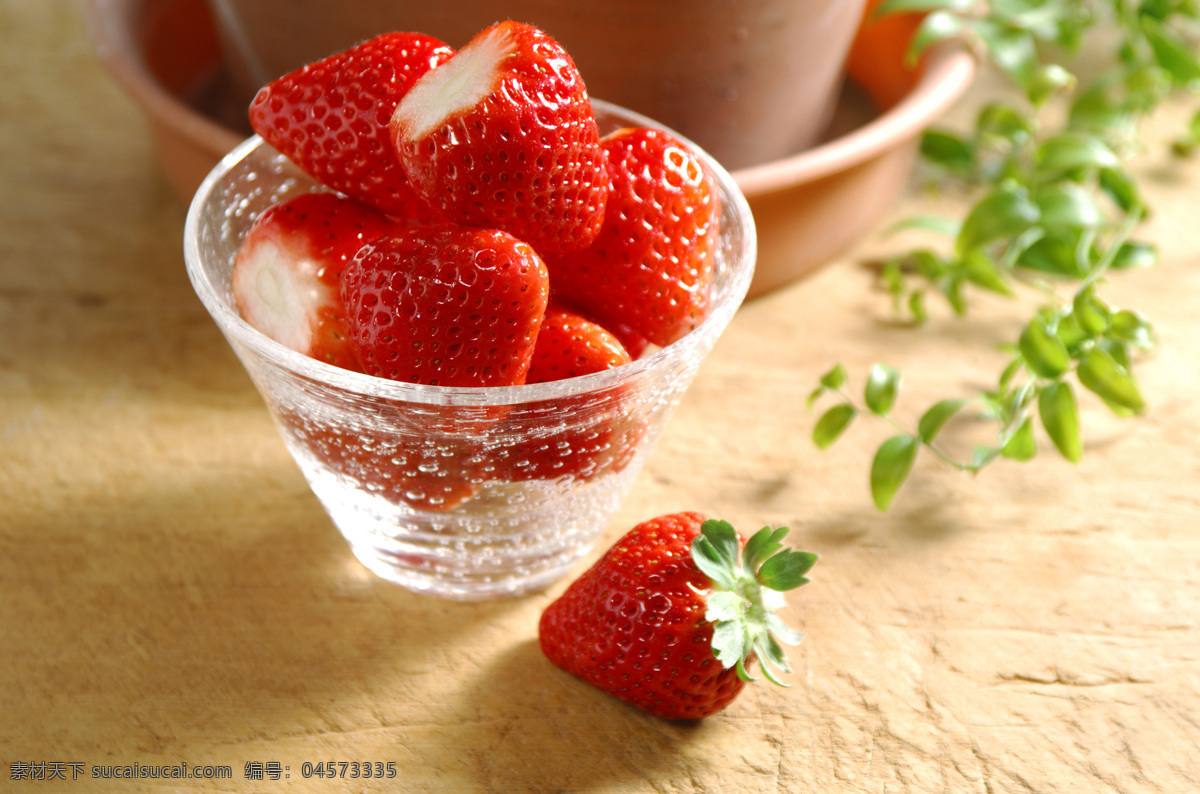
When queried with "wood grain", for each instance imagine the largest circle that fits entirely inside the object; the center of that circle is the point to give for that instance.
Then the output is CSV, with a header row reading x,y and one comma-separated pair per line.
x,y
171,591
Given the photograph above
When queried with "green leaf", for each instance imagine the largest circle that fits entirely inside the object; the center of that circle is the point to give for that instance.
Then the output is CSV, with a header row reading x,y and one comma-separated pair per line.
x,y
835,378
1060,417
1021,445
1135,254
883,382
716,551
729,643
1013,50
1132,327
740,603
832,380
1043,351
1068,205
783,632
770,656
916,306
724,605
937,27
785,570
1172,54
761,545
934,419
950,151
1103,376
1092,314
1072,151
832,424
1004,122
982,456
1097,111
1047,81
982,271
1054,254
1005,212
890,468
1120,187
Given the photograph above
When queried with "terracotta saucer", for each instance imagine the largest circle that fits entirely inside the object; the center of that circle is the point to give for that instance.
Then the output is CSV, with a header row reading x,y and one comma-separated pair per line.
x,y
808,208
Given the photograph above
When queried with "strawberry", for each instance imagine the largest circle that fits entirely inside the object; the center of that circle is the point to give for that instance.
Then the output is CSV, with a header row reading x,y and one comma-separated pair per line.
x,y
651,266
569,345
503,136
576,437
331,117
601,429
671,616
427,474
287,274
446,305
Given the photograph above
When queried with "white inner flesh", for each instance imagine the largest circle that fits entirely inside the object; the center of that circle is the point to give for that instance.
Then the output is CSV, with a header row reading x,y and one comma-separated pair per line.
x,y
458,84
279,294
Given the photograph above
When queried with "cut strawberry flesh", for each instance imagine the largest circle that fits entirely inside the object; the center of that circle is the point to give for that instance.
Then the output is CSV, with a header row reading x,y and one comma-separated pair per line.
x,y
455,87
503,136
287,276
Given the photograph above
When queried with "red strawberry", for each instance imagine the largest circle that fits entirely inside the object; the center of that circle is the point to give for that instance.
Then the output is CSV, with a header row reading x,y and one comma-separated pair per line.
x,y
669,618
331,117
287,275
651,266
569,345
426,474
503,136
446,305
634,343
578,436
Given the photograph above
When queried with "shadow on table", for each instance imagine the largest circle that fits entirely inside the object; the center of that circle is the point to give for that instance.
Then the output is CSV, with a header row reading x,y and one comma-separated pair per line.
x,y
529,726
221,609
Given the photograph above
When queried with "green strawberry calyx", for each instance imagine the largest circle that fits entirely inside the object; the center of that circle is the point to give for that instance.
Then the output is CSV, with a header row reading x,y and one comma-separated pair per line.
x,y
747,588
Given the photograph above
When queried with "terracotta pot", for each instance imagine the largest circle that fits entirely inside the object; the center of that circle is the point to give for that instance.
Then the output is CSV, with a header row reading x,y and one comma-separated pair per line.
x,y
749,80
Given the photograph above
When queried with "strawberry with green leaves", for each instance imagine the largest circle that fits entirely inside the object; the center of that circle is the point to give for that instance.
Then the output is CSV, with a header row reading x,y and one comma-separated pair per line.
x,y
650,268
288,270
670,618
503,135
331,117
446,305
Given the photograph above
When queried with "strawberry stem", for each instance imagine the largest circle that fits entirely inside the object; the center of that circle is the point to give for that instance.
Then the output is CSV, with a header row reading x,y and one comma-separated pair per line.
x,y
747,588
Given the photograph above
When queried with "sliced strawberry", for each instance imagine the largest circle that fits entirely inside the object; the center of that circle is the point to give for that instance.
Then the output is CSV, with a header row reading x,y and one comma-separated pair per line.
x,y
287,275
651,266
569,345
446,305
670,617
503,136
331,117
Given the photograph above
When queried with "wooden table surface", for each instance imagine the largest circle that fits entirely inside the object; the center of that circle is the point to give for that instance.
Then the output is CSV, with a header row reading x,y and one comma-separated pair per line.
x,y
171,593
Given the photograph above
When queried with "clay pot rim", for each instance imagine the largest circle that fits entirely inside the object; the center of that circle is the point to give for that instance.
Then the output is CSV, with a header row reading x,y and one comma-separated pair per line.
x,y
948,73
116,45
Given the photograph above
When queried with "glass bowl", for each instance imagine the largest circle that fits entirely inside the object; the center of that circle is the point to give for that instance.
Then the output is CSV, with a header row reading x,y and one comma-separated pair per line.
x,y
463,493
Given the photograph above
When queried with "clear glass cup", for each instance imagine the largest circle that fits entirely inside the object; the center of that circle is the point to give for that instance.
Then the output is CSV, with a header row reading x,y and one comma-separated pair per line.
x,y
463,493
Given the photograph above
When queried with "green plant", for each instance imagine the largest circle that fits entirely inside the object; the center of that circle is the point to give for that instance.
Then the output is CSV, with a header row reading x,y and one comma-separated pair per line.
x,y
1054,213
